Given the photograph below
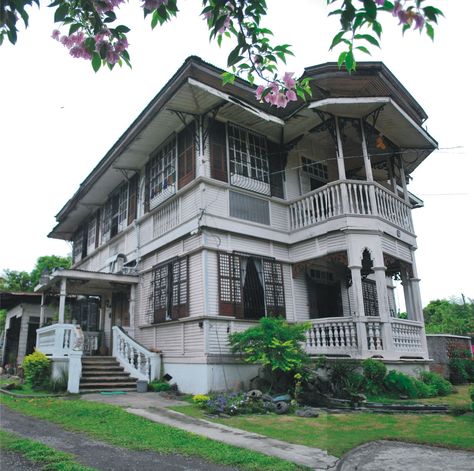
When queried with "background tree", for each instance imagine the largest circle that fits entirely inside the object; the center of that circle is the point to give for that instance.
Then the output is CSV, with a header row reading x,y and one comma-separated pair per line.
x,y
90,30
454,316
13,280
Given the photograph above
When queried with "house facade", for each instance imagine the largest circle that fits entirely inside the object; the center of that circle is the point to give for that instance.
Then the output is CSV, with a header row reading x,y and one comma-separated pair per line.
x,y
213,210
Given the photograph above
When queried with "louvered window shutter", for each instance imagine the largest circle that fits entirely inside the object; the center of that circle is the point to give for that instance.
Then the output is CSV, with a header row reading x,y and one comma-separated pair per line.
x,y
186,155
180,287
160,292
218,150
277,158
230,285
132,198
97,228
274,289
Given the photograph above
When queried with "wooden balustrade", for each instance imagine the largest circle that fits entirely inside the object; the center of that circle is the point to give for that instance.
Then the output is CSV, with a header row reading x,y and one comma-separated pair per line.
x,y
326,202
407,335
166,218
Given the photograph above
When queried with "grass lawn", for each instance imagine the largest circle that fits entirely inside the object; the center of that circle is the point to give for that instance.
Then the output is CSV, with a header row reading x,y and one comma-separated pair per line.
x,y
460,398
113,425
338,433
52,460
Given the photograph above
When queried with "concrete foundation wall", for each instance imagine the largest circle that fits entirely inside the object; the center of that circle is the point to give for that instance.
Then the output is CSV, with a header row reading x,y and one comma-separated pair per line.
x,y
442,347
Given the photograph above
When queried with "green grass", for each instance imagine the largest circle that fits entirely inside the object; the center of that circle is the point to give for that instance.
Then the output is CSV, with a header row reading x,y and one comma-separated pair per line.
x,y
338,433
114,425
50,459
459,398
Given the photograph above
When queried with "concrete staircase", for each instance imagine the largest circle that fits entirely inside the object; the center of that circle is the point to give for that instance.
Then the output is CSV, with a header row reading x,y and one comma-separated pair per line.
x,y
105,374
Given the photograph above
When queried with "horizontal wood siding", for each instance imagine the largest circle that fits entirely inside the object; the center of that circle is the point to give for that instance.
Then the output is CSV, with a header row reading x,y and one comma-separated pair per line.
x,y
212,284
218,335
190,203
396,248
279,216
169,338
193,339
280,251
292,179
288,291
196,288
300,293
217,201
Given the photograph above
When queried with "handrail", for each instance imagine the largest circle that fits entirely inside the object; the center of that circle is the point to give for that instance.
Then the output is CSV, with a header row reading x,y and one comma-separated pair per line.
x,y
134,357
57,340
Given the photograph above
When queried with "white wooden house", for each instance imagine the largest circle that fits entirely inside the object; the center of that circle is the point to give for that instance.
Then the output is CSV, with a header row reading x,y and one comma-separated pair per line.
x,y
213,210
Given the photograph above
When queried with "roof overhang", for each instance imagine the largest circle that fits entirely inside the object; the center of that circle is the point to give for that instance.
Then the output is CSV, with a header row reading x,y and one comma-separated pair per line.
x,y
82,282
392,121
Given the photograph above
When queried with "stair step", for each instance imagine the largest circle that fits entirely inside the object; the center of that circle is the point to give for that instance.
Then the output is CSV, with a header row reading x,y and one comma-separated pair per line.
x,y
106,379
99,390
105,373
115,384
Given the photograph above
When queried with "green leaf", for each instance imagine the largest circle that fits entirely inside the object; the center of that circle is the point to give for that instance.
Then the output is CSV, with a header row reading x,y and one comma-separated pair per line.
x,y
122,29
368,38
154,19
371,9
350,61
234,56
429,31
342,58
96,61
61,12
432,13
337,39
363,49
73,28
227,77
377,27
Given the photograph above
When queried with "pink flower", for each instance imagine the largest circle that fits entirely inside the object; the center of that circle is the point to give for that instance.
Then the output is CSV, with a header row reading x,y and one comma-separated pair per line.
x,y
121,45
291,95
380,2
207,14
226,25
151,5
419,21
259,92
112,57
56,34
403,17
397,8
288,80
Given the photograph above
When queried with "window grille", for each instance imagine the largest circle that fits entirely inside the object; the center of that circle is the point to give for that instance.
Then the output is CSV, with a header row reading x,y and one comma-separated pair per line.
x,y
162,172
248,160
369,294
91,231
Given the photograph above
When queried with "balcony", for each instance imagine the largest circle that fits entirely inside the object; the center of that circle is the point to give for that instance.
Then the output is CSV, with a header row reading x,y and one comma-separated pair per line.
x,y
347,198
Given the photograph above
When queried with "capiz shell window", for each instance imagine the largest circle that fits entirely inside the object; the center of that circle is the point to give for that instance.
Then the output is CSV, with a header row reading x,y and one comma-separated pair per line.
x,y
248,160
162,168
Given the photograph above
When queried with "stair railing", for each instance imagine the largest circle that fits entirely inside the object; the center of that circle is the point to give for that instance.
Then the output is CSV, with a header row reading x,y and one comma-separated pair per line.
x,y
134,357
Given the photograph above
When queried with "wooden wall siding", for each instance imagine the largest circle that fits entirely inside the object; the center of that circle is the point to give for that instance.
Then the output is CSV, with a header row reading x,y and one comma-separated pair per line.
x,y
279,216
117,247
212,290
146,337
192,242
193,338
218,335
346,300
130,242
396,248
196,286
303,250
144,301
146,231
166,218
217,201
190,203
170,251
148,262
300,294
288,284
336,242
280,251
250,208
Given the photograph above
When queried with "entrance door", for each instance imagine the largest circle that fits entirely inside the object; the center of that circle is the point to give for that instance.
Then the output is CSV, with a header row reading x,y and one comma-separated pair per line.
x,y
120,310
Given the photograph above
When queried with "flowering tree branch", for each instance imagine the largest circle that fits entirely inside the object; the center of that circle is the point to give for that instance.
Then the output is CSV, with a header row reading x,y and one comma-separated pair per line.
x,y
90,30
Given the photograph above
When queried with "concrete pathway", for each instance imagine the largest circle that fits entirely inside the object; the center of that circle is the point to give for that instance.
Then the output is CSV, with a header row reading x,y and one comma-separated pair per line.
x,y
374,456
152,406
397,456
93,453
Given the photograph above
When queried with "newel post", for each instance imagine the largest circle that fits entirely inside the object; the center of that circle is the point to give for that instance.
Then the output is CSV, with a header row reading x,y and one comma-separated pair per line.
x,y
75,371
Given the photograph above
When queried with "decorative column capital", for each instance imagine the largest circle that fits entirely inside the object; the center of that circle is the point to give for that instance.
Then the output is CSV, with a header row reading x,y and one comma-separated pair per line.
x,y
354,267
381,268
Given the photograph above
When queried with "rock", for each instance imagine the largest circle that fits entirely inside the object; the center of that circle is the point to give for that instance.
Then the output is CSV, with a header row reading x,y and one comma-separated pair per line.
x,y
255,394
307,412
281,407
224,416
403,396
267,398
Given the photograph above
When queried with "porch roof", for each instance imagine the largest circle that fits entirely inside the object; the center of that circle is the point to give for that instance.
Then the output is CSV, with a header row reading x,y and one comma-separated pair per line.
x,y
392,121
86,282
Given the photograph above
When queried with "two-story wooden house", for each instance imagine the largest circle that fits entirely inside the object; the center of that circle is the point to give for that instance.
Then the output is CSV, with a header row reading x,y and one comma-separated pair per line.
x,y
213,210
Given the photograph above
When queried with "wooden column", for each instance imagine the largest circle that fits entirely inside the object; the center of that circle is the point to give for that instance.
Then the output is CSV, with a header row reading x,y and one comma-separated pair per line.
x,y
341,170
384,309
404,180
41,323
368,169
62,300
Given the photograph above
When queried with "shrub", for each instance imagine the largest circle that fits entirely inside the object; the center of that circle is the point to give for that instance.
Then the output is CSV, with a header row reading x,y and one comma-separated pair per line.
x,y
401,383
374,373
437,384
471,392
457,370
238,403
276,345
37,370
158,386
340,374
200,399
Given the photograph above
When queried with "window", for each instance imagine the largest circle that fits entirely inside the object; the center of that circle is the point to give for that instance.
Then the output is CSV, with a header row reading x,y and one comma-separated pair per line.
x,y
91,231
170,290
161,172
369,294
248,160
317,172
250,287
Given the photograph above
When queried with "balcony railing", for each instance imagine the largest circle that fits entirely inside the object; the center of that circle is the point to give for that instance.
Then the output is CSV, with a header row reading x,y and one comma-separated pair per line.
x,y
349,198
333,335
407,335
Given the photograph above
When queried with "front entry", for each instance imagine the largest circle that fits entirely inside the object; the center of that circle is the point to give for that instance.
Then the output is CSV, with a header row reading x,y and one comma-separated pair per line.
x,y
120,310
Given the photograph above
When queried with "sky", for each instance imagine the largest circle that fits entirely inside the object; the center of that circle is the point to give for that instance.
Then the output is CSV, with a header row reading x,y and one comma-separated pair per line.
x,y
58,119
